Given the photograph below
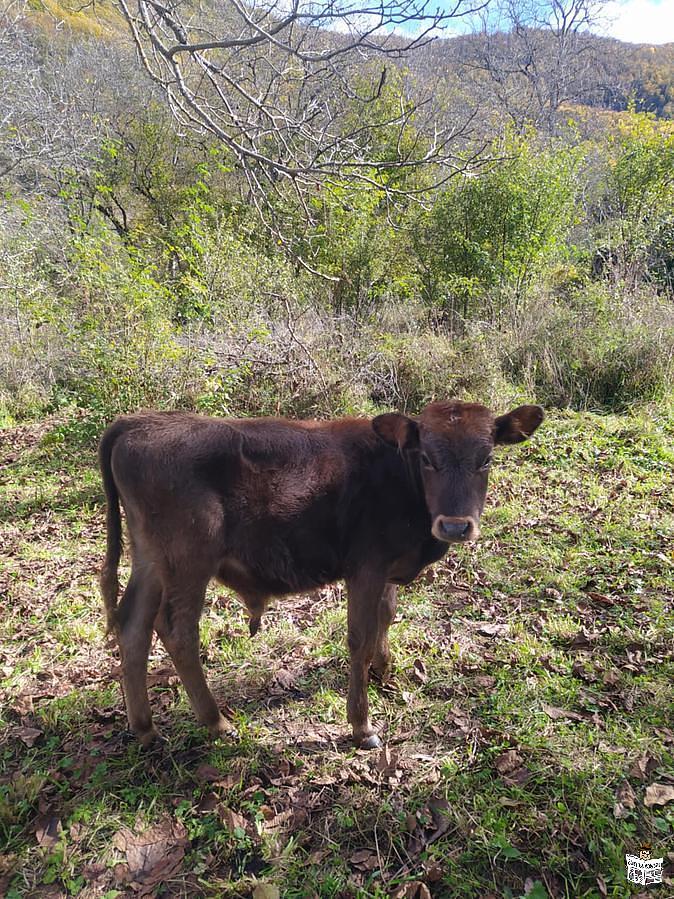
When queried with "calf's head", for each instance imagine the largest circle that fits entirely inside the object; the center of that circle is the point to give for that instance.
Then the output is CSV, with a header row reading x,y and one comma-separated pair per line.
x,y
448,449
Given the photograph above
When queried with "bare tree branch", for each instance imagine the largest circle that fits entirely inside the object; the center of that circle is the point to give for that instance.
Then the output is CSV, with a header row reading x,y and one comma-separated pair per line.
x,y
536,56
292,87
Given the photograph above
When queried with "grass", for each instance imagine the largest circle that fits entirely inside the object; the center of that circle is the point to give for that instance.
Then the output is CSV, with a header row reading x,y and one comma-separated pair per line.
x,y
532,691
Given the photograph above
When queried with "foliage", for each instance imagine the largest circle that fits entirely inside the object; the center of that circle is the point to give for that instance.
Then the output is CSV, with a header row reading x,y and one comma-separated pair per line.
x,y
635,207
142,276
493,234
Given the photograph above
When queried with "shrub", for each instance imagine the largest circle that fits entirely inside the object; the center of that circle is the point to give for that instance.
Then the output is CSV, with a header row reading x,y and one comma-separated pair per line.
x,y
490,236
601,351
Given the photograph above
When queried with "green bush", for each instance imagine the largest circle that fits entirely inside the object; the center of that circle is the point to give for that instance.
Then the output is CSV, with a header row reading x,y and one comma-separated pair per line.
x,y
489,236
600,351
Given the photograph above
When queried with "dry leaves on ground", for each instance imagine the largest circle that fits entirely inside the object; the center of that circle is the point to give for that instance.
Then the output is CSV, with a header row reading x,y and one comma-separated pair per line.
x,y
511,768
48,831
266,891
625,800
151,856
659,794
28,735
643,767
414,890
560,714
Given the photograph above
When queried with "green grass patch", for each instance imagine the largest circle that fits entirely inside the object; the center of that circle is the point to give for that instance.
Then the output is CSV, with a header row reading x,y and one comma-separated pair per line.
x,y
531,690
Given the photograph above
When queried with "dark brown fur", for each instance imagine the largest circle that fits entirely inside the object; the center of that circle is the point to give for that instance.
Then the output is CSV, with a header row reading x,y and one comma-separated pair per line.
x,y
272,507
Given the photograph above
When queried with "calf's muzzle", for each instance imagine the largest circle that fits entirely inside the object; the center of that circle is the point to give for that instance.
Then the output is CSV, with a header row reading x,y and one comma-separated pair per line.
x,y
455,530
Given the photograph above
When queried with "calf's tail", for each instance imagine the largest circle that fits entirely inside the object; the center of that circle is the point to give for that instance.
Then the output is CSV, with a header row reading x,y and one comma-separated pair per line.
x,y
109,580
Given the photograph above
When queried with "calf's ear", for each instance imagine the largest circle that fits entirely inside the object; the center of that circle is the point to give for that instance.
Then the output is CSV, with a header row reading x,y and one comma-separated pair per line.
x,y
398,430
516,426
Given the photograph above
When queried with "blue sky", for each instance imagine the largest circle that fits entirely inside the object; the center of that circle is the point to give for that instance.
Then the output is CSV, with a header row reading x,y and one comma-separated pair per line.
x,y
641,21
634,21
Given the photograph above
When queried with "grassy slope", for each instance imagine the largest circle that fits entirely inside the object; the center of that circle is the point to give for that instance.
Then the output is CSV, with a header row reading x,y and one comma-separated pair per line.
x,y
564,607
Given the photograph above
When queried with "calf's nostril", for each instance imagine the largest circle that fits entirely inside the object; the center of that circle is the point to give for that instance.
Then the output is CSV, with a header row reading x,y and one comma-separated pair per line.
x,y
455,529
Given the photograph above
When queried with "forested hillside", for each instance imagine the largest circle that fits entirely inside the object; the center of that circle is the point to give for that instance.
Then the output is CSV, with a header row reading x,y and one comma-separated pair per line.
x,y
141,266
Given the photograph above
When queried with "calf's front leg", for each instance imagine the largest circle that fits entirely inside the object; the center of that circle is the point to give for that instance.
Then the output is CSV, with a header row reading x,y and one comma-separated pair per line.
x,y
365,593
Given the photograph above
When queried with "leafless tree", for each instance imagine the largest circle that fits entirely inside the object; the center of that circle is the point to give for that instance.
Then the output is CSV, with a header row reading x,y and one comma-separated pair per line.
x,y
50,97
291,87
22,100
535,56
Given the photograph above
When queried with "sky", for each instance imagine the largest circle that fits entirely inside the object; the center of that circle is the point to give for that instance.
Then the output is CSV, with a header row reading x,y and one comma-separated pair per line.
x,y
634,21
640,21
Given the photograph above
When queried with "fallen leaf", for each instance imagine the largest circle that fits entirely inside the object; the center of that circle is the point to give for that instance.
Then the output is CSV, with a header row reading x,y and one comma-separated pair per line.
x,y
625,800
485,681
266,891
611,678
419,671
23,705
153,855
659,794
643,767
280,772
388,763
231,819
433,872
518,777
364,860
601,598
165,676
583,639
414,890
507,762
284,678
275,821
208,803
492,630
411,823
579,669
28,735
94,871
559,714
212,775
48,831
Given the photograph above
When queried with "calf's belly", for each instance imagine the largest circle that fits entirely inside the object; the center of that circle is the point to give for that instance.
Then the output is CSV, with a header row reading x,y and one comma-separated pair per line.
x,y
278,570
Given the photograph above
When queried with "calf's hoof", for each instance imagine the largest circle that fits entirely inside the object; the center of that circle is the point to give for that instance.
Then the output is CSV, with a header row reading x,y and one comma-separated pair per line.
x,y
381,674
151,739
222,730
371,741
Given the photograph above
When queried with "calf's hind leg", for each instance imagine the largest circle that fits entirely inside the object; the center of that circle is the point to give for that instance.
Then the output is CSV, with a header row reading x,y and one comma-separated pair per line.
x,y
177,624
386,611
134,617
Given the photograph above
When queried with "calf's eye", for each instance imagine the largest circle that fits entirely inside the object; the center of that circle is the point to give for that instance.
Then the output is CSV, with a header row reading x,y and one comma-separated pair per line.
x,y
487,462
425,461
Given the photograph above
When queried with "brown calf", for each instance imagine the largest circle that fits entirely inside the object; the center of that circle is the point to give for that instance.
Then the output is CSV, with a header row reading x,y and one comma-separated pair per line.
x,y
271,507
